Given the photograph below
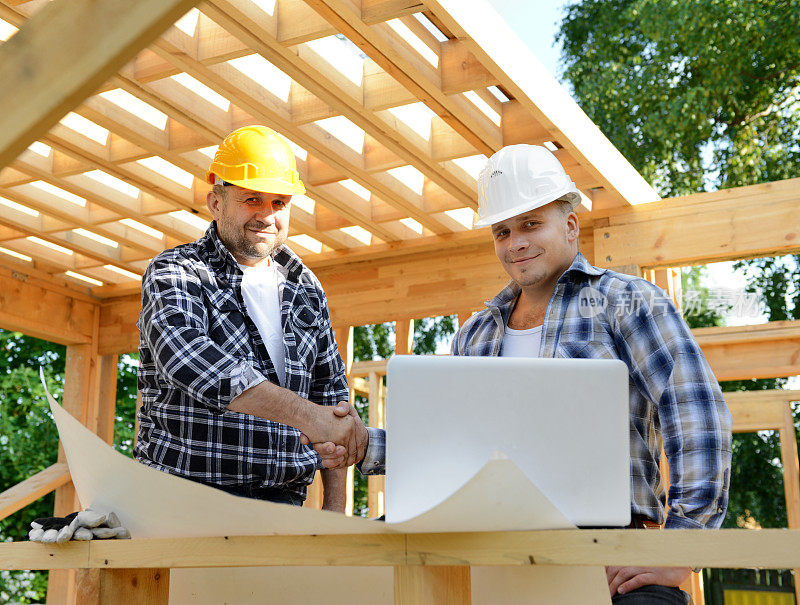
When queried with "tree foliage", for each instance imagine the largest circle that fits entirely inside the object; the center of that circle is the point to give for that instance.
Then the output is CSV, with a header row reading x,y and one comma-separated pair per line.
x,y
701,95
29,439
694,93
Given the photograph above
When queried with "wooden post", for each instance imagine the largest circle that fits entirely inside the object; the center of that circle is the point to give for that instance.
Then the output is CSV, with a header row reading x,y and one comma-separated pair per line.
x,y
404,337
107,397
314,494
80,395
791,480
377,404
432,585
315,497
124,587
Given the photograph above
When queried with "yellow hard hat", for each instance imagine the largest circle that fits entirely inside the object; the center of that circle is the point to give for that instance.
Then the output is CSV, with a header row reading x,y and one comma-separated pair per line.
x,y
257,158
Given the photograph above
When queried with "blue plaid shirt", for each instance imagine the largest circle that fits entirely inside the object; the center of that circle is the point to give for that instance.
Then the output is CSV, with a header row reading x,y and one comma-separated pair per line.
x,y
199,350
599,314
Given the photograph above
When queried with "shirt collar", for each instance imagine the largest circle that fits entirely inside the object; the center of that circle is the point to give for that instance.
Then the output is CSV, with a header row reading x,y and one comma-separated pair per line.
x,y
509,294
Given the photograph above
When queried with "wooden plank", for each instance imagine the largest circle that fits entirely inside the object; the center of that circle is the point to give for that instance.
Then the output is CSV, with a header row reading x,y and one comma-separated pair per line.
x,y
422,585
404,337
791,470
79,399
731,548
399,60
35,555
365,368
44,81
373,11
753,415
118,331
704,227
323,83
123,587
778,548
107,397
32,306
33,488
791,480
759,351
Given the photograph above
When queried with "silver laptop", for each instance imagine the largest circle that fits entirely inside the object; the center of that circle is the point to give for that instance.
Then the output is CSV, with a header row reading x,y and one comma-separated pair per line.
x,y
563,422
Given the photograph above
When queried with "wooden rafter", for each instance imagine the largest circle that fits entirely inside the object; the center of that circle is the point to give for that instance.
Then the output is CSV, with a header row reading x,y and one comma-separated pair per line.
x,y
43,81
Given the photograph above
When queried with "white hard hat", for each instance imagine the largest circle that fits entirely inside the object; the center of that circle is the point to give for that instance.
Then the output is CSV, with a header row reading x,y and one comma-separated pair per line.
x,y
519,178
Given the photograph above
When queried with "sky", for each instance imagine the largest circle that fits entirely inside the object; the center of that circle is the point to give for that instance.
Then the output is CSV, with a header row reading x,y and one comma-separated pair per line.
x,y
536,23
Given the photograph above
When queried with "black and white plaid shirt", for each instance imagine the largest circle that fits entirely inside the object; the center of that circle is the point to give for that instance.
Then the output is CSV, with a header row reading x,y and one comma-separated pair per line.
x,y
199,350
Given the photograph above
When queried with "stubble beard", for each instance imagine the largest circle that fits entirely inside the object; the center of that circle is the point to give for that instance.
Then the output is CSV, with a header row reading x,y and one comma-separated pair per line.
x,y
240,245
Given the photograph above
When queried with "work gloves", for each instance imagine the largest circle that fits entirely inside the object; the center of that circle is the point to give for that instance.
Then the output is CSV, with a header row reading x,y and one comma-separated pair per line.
x,y
83,525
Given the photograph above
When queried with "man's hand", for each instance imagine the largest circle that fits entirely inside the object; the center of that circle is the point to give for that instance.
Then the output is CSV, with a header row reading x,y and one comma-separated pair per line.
x,y
335,456
338,433
625,579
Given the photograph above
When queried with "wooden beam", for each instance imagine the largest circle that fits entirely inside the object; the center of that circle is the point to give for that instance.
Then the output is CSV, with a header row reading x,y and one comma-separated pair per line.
x,y
730,224
365,368
33,488
80,400
382,10
44,81
301,67
401,62
767,350
729,548
37,308
427,284
118,331
107,397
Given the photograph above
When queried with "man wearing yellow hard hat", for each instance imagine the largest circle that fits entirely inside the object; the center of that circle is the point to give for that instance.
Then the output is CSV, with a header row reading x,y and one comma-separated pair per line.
x,y
237,352
558,305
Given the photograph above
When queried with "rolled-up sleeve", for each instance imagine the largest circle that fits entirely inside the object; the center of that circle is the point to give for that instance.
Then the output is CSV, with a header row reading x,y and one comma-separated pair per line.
x,y
669,367
174,326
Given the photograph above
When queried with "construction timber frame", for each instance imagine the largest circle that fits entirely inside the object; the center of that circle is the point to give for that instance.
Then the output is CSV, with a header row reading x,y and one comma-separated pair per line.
x,y
103,162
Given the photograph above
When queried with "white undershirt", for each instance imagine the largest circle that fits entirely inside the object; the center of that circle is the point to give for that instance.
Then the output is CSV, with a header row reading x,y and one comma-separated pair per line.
x,y
521,343
261,288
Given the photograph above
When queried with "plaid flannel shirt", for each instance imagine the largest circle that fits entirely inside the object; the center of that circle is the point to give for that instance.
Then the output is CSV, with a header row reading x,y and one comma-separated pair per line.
x,y
199,350
599,314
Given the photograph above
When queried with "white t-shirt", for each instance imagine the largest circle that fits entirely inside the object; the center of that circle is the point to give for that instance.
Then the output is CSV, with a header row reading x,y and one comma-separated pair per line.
x,y
521,343
261,287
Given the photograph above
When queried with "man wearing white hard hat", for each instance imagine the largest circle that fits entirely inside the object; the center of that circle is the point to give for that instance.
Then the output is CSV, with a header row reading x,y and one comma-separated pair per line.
x,y
559,305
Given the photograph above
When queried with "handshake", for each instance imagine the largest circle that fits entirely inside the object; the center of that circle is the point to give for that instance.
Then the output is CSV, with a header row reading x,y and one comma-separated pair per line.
x,y
338,435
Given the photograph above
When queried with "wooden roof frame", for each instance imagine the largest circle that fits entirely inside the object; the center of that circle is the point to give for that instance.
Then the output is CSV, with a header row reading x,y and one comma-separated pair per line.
x,y
394,74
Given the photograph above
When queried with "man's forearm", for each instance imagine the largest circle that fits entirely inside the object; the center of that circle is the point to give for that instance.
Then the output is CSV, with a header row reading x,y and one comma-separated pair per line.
x,y
334,483
273,402
318,423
